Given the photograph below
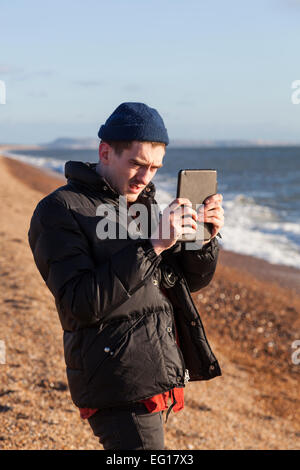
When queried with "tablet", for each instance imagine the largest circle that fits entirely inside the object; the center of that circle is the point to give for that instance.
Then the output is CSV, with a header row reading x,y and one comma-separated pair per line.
x,y
197,185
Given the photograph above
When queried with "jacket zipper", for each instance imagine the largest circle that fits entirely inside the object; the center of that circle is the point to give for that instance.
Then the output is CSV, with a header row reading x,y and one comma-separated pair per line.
x,y
172,313
192,302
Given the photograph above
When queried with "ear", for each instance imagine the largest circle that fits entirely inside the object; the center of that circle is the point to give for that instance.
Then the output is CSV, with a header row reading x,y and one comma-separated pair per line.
x,y
104,153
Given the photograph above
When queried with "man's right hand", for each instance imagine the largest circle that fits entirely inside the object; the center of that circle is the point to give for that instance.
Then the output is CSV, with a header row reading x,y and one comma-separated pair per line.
x,y
177,219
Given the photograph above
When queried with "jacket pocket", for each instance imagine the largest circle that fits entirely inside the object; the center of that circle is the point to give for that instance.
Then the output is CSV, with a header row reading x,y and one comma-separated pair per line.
x,y
107,344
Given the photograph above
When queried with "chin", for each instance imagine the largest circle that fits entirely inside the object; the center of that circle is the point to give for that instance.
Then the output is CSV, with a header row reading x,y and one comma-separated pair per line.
x,y
132,197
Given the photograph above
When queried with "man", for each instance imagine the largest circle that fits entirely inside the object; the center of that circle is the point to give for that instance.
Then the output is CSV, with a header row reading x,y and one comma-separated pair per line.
x,y
132,334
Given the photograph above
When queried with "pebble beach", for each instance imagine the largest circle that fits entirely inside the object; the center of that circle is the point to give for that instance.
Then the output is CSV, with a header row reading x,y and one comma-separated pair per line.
x,y
251,315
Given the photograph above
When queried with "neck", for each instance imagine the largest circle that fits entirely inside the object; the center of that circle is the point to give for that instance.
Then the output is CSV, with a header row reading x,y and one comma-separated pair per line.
x,y
99,169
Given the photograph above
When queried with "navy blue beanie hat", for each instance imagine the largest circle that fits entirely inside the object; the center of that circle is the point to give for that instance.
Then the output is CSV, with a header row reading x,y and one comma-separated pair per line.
x,y
134,121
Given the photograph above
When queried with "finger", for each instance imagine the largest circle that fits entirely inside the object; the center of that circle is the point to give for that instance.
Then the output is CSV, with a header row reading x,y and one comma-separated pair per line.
x,y
214,198
179,201
213,205
215,221
186,230
184,211
218,212
189,221
178,231
210,215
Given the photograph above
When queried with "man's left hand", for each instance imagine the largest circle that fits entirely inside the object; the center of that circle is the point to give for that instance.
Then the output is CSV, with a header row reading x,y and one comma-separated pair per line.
x,y
212,213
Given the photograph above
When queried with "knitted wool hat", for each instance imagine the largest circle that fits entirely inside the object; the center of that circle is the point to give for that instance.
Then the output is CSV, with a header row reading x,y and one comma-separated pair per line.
x,y
134,121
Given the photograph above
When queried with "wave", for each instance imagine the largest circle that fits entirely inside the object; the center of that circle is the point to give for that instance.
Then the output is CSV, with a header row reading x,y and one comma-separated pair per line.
x,y
41,162
250,228
260,231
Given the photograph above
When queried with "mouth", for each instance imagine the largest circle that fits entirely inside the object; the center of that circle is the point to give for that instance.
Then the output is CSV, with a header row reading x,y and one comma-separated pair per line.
x,y
135,188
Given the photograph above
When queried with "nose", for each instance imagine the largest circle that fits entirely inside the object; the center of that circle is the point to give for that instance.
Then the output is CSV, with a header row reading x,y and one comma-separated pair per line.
x,y
144,176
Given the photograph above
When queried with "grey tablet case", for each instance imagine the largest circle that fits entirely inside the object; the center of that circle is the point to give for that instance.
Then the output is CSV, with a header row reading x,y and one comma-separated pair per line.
x,y
197,185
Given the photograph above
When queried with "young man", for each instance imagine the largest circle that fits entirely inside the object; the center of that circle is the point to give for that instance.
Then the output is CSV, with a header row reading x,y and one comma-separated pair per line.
x,y
132,334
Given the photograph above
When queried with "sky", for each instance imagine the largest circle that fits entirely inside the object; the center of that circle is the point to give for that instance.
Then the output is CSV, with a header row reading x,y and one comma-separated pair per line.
x,y
219,70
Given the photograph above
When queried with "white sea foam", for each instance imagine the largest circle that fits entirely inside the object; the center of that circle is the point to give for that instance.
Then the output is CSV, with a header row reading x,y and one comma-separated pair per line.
x,y
249,228
259,231
53,164
166,189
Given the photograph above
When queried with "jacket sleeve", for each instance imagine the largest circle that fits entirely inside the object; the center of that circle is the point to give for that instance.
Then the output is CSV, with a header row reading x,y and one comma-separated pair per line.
x,y
198,266
83,290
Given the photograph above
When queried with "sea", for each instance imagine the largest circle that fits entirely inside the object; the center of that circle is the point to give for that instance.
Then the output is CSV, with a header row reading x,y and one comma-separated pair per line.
x,y
260,188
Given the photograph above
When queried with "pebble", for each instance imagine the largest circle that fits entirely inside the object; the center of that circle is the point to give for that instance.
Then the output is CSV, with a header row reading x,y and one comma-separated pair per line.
x,y
37,332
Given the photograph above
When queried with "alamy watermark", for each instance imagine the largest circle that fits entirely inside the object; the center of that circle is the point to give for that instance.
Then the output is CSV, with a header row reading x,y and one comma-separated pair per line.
x,y
296,353
140,221
295,98
2,92
2,352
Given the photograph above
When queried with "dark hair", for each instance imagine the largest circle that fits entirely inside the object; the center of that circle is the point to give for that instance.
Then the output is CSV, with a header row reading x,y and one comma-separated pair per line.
x,y
121,145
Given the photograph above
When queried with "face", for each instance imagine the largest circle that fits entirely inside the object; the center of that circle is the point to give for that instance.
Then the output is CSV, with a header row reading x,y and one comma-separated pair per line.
x,y
130,172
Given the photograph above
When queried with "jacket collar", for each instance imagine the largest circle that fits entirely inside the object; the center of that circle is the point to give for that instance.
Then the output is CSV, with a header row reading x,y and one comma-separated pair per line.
x,y
84,173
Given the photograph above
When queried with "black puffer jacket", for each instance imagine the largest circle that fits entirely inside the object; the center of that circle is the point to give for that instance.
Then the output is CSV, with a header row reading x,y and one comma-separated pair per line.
x,y
119,326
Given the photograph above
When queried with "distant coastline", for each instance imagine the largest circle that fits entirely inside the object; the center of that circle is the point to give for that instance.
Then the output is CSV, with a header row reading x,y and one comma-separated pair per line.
x,y
91,143
251,320
264,201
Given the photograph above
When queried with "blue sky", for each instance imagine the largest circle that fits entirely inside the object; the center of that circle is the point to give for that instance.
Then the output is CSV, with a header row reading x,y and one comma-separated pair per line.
x,y
214,70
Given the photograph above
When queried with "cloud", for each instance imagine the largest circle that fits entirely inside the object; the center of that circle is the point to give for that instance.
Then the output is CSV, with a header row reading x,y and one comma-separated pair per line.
x,y
45,73
20,74
10,69
38,94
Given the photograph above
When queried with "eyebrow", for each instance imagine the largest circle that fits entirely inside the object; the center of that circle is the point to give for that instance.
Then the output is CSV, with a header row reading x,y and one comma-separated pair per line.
x,y
140,162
